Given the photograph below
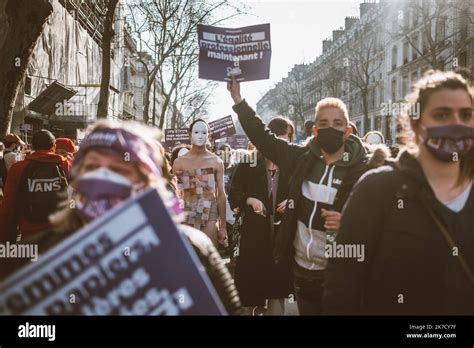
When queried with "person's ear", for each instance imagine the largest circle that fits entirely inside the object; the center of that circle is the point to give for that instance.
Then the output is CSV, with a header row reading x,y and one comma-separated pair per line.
x,y
348,132
315,131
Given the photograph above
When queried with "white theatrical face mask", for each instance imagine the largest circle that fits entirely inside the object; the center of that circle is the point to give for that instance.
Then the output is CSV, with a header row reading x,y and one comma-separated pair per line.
x,y
374,139
199,134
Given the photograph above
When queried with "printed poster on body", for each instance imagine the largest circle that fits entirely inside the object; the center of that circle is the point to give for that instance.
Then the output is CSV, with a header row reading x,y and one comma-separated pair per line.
x,y
131,261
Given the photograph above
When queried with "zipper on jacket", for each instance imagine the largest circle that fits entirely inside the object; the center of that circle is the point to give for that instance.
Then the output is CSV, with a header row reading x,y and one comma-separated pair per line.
x,y
311,218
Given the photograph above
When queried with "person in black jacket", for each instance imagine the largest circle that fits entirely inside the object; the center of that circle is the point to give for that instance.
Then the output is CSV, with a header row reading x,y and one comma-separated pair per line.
x,y
322,174
260,192
414,219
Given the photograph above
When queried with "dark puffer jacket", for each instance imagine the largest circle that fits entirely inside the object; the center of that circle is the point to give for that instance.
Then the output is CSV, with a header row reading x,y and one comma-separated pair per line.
x,y
408,266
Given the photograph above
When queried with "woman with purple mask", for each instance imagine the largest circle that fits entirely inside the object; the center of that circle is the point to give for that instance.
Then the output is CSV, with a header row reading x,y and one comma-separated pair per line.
x,y
116,162
413,221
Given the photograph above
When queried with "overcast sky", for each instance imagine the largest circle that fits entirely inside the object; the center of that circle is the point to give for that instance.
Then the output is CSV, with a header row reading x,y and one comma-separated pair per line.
x,y
298,28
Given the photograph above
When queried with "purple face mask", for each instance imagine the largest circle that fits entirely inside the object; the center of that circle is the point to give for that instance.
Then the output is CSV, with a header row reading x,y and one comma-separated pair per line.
x,y
99,191
446,142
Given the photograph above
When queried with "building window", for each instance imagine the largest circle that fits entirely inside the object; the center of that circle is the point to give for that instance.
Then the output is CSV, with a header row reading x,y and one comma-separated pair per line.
x,y
415,16
394,89
388,128
406,48
406,20
425,43
414,77
394,57
371,98
415,47
378,123
441,28
404,85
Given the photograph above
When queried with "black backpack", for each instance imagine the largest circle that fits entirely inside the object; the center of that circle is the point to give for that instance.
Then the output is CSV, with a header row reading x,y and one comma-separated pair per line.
x,y
43,187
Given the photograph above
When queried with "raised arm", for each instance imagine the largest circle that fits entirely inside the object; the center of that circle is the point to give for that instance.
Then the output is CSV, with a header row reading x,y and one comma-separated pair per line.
x,y
276,150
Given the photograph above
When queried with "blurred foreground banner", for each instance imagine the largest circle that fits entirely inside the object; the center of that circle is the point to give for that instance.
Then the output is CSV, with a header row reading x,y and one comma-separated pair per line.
x,y
131,261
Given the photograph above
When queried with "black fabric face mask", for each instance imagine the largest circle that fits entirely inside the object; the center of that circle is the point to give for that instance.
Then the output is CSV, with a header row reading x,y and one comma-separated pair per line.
x,y
330,139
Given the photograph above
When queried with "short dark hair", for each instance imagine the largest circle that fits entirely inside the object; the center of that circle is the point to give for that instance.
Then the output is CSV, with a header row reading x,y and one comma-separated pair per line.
x,y
196,121
354,128
308,127
279,126
43,140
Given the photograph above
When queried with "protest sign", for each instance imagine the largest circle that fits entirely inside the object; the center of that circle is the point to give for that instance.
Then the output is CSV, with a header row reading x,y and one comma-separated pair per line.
x,y
243,52
237,141
240,141
222,127
175,137
131,261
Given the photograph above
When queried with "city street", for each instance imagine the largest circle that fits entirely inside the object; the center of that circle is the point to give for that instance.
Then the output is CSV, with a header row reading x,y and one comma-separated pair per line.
x,y
241,158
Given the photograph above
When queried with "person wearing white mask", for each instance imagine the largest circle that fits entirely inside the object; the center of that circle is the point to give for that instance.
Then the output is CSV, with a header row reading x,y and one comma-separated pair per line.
x,y
374,138
201,184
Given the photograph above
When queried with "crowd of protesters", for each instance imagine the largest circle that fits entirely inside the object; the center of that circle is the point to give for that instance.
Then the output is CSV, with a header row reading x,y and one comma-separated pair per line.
x,y
340,222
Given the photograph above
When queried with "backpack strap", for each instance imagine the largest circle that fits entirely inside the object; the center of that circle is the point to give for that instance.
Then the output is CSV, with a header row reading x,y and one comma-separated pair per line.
x,y
449,239
442,228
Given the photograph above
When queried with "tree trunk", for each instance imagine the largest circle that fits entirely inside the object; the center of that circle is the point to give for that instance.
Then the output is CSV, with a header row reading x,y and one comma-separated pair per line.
x,y
108,34
174,119
365,108
146,101
22,23
163,112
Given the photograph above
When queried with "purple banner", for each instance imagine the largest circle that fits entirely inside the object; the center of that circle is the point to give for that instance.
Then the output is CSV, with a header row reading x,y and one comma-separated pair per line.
x,y
175,137
243,52
240,141
237,141
222,127
131,261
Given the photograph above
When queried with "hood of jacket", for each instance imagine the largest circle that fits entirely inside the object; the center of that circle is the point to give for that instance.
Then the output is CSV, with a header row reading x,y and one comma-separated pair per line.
x,y
45,156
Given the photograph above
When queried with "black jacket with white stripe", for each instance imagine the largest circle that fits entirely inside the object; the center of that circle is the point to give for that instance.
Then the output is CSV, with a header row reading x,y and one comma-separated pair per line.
x,y
300,161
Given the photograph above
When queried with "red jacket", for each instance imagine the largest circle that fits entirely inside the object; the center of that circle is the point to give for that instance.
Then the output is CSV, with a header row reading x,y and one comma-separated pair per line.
x,y
9,217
